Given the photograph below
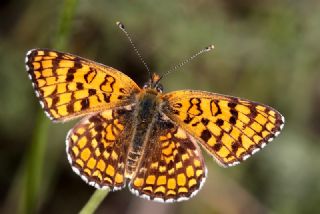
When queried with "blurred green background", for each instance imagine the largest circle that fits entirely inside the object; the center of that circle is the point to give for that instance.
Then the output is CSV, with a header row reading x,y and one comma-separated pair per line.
x,y
266,51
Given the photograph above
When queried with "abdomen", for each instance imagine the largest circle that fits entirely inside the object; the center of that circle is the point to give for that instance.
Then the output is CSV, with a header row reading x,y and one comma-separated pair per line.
x,y
143,120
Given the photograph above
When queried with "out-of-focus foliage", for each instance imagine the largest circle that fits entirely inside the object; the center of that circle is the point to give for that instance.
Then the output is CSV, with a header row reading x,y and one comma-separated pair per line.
x,y
267,51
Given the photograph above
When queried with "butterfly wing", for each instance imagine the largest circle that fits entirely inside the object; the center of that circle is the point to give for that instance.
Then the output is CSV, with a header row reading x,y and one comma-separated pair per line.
x,y
231,129
69,86
97,148
172,168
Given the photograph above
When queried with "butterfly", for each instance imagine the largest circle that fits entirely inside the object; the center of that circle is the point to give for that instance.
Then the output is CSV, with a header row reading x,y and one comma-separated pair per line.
x,y
142,137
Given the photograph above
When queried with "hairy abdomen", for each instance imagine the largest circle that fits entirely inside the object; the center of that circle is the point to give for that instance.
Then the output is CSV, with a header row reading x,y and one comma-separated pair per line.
x,y
143,120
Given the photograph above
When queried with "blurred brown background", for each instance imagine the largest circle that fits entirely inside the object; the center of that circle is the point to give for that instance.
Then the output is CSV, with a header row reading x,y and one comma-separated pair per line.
x,y
266,51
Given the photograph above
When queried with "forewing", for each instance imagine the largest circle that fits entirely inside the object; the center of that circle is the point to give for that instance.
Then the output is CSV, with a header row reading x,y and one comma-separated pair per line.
x,y
172,168
229,128
69,86
97,145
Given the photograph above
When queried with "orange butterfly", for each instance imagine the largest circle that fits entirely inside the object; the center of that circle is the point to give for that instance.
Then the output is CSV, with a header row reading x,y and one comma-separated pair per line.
x,y
140,135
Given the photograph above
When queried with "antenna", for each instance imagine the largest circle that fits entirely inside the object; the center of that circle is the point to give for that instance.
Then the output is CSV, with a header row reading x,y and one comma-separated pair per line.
x,y
204,50
121,26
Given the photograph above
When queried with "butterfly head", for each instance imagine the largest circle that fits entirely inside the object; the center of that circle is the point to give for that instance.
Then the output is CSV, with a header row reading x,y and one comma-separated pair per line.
x,y
154,83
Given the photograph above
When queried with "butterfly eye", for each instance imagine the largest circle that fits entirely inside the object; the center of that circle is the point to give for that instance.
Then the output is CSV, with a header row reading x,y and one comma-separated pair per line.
x,y
159,88
147,85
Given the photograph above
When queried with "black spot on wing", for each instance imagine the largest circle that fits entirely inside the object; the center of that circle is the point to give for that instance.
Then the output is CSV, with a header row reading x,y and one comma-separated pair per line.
x,y
205,135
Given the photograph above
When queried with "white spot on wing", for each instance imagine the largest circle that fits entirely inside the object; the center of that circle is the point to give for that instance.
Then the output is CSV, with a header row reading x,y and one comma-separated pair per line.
x,y
117,188
41,103
30,51
133,191
145,196
255,150
68,142
281,126
158,200
76,170
48,115
84,178
69,158
182,199
245,157
270,139
170,200
234,163
69,133
204,178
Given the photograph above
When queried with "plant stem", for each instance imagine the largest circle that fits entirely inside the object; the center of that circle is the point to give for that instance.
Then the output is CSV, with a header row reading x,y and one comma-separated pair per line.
x,y
33,169
64,24
34,165
94,201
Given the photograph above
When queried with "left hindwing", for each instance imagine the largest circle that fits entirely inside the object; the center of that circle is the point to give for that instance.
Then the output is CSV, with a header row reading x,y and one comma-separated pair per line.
x,y
229,128
97,145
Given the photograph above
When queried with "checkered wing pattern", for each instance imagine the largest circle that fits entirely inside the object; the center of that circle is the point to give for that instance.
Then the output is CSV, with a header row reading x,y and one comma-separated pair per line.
x,y
231,129
172,168
96,148
69,86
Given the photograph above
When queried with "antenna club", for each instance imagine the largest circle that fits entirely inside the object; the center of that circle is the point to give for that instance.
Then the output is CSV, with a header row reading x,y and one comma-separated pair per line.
x,y
202,51
120,25
209,48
